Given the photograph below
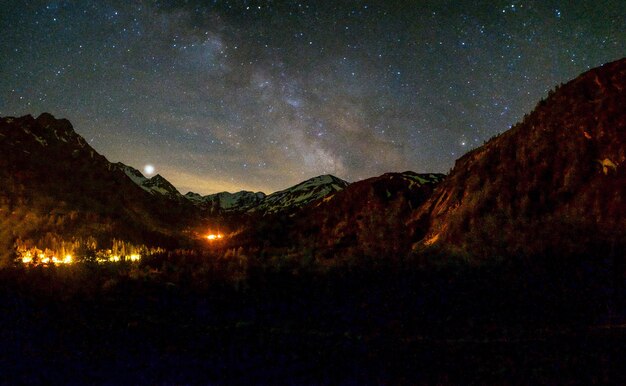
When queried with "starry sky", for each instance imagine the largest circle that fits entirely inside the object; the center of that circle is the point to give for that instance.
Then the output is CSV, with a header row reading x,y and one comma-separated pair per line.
x,y
260,95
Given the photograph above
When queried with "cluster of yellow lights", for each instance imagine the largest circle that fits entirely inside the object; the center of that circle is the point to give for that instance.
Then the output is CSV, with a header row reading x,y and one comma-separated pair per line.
x,y
28,258
116,258
213,237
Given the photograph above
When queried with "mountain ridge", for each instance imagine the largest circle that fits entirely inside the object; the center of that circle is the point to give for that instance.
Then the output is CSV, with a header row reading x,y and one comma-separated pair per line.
x,y
226,201
290,198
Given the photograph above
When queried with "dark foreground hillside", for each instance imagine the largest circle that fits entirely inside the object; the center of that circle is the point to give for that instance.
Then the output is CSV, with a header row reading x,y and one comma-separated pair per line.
x,y
196,320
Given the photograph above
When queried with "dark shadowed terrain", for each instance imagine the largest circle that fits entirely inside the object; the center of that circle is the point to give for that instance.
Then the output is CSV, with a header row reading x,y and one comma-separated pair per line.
x,y
182,320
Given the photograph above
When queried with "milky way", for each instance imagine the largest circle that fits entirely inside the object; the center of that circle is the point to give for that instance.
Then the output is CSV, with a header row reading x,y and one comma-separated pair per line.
x,y
259,95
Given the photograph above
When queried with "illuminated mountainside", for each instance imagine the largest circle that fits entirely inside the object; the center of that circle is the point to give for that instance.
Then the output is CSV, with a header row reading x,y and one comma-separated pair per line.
x,y
368,218
554,184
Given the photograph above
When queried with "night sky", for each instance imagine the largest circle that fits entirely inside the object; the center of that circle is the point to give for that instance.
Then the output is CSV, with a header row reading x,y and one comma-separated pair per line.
x,y
259,95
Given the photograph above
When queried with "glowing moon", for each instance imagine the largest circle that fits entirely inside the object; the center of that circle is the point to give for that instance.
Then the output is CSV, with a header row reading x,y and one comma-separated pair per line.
x,y
148,169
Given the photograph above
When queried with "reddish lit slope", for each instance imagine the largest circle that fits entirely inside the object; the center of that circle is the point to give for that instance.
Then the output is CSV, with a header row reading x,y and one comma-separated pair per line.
x,y
368,218
553,184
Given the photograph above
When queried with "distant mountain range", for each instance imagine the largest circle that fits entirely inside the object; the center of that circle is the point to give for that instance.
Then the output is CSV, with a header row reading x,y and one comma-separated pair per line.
x,y
291,198
241,202
553,184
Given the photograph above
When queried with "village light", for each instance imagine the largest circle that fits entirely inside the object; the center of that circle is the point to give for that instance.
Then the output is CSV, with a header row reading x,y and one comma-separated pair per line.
x,y
27,258
213,237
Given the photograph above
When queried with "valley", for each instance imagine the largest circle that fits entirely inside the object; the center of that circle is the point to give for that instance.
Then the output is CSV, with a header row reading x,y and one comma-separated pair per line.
x,y
510,267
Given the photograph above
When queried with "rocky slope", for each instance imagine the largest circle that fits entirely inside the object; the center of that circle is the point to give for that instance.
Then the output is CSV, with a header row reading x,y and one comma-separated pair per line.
x,y
554,184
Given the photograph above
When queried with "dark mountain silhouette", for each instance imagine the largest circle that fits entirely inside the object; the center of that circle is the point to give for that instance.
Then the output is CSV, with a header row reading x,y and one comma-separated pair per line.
x,y
554,184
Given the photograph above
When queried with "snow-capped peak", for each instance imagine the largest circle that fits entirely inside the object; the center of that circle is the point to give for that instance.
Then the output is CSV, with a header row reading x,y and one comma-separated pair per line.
x,y
294,197
155,185
301,194
133,174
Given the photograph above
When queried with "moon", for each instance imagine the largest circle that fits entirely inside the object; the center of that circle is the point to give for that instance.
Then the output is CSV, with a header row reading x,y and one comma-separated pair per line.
x,y
148,169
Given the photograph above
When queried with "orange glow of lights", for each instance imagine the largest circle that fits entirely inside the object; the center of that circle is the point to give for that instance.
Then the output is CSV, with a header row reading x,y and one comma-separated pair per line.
x,y
27,258
213,237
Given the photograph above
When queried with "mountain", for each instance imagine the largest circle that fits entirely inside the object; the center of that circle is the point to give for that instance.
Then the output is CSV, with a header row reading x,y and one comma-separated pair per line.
x,y
368,218
57,187
289,199
365,218
301,194
157,185
553,185
227,202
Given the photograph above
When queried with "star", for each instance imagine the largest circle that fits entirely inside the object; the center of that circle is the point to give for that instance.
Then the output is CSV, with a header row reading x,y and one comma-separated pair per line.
x,y
148,169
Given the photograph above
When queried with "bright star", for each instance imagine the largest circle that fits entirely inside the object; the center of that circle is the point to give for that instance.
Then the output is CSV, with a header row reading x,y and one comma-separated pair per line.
x,y
148,169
